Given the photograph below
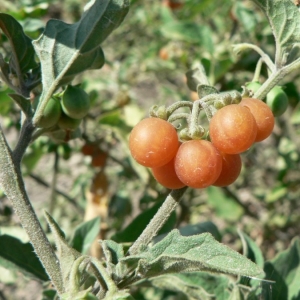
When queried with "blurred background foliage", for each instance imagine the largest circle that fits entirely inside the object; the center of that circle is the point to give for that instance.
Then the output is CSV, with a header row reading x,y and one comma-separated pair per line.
x,y
146,61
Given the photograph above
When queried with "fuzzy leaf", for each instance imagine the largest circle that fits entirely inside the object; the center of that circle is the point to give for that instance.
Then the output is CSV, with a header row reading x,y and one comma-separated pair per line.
x,y
23,103
284,269
175,283
85,234
62,45
204,90
66,254
284,18
251,250
15,255
22,49
188,230
113,251
198,285
196,77
176,254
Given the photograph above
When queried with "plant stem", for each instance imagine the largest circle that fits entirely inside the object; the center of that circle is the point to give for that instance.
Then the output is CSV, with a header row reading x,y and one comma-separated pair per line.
x,y
23,142
13,186
177,105
158,220
273,80
54,182
178,116
266,58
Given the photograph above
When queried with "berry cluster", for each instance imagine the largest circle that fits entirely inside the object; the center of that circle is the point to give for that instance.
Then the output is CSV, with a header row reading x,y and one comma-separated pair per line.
x,y
64,113
200,163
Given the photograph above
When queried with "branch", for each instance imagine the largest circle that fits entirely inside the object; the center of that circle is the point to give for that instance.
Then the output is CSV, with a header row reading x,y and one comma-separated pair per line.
x,y
13,186
158,220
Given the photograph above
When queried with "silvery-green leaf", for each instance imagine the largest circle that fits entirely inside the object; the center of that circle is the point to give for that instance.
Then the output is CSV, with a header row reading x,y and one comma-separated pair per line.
x,y
176,253
23,53
284,18
62,45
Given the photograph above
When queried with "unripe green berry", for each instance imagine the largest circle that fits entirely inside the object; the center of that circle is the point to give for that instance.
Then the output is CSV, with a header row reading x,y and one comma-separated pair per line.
x,y
75,102
67,123
51,113
277,100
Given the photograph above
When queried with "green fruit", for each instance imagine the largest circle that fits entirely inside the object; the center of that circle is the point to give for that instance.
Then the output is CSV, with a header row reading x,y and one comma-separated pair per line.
x,y
75,102
68,123
51,114
277,100
253,86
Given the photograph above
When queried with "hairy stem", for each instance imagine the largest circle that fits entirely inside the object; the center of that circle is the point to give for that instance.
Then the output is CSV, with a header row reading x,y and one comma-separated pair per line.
x,y
158,220
177,105
13,186
179,116
266,58
23,142
273,80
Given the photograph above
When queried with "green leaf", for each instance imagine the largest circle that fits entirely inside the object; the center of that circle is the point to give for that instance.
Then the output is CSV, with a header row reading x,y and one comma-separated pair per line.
x,y
284,18
284,269
5,102
213,285
196,229
62,45
196,77
224,206
251,250
178,283
177,254
201,228
87,61
85,234
23,103
204,90
113,251
197,285
15,255
66,254
23,52
136,227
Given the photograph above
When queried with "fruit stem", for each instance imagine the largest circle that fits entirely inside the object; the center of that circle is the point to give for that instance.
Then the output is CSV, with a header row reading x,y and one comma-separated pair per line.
x,y
266,58
257,70
178,116
158,220
177,105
